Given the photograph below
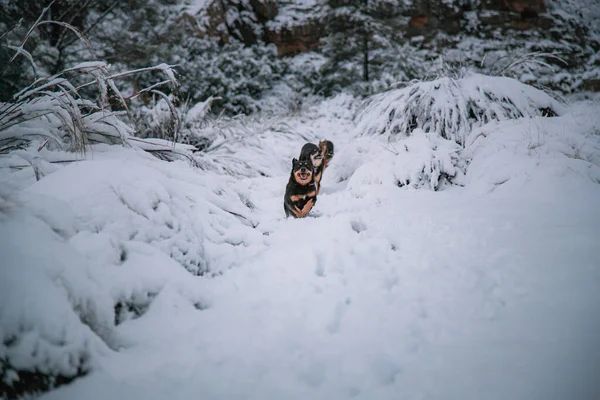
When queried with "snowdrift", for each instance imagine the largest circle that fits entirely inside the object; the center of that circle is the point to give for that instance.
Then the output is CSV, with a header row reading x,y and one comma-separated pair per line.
x,y
536,152
94,243
451,108
103,236
90,245
520,150
421,130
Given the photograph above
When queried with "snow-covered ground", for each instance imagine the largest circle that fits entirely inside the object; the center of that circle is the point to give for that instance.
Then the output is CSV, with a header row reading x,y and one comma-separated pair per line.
x,y
486,291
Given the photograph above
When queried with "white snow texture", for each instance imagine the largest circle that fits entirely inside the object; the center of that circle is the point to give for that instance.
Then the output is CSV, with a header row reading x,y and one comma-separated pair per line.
x,y
165,281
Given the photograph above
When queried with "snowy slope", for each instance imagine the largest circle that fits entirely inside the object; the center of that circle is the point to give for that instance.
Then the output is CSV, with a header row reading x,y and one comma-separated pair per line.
x,y
487,291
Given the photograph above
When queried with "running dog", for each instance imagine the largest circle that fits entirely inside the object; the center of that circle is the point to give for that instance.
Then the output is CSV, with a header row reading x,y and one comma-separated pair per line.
x,y
300,192
326,148
311,152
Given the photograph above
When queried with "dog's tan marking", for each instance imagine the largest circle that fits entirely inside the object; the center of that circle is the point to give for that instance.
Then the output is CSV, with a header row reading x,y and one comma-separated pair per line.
x,y
318,177
296,197
307,207
301,181
297,212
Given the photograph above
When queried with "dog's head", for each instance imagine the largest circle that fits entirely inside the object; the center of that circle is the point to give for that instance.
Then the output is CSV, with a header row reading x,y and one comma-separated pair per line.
x,y
326,148
313,153
302,171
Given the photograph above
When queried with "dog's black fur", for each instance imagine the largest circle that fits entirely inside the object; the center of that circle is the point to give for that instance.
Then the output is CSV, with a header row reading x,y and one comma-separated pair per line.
x,y
312,153
300,192
309,149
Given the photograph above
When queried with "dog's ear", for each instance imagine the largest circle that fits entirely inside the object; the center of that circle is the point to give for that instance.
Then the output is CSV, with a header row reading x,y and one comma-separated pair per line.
x,y
294,162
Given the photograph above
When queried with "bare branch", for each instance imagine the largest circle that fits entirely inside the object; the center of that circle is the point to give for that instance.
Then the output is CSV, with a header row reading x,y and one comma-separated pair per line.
x,y
12,28
26,54
37,22
77,32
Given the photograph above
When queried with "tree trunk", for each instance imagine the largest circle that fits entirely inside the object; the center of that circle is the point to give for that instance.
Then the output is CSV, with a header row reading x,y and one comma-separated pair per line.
x,y
366,57
365,43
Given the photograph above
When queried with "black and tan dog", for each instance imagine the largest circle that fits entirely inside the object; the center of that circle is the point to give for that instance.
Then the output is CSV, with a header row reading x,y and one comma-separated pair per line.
x,y
320,156
312,153
300,192
326,148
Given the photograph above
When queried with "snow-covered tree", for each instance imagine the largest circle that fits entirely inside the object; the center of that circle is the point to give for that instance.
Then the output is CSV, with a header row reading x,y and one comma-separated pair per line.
x,y
356,31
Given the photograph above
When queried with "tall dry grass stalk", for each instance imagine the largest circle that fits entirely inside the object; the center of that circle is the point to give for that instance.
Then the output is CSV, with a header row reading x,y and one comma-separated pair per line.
x,y
70,116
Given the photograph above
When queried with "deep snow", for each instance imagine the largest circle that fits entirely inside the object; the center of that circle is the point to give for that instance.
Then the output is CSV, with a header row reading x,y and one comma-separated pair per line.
x,y
487,291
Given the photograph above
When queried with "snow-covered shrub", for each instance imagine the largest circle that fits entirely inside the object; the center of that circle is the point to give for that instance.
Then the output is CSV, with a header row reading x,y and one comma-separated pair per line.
x,y
57,114
194,120
304,73
61,113
156,121
264,145
247,147
51,110
237,74
423,160
54,319
451,108
535,151
400,62
94,244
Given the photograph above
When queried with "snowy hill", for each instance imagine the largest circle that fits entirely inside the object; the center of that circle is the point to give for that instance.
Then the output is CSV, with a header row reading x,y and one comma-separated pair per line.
x,y
157,280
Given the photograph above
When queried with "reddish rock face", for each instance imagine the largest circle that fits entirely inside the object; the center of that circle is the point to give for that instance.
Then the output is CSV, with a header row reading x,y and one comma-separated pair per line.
x,y
296,39
428,17
265,9
419,21
526,7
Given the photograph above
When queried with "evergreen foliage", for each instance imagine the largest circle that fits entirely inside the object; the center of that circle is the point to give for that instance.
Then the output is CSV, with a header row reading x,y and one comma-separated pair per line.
x,y
358,33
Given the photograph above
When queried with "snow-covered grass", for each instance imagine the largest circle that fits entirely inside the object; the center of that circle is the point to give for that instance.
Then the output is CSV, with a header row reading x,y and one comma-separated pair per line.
x,y
74,108
265,145
159,280
451,108
55,111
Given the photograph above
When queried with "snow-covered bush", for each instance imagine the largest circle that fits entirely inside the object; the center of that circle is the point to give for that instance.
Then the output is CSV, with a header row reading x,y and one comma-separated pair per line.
x,y
304,73
94,244
156,121
54,320
247,147
51,109
451,108
60,116
238,75
61,113
424,160
534,151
